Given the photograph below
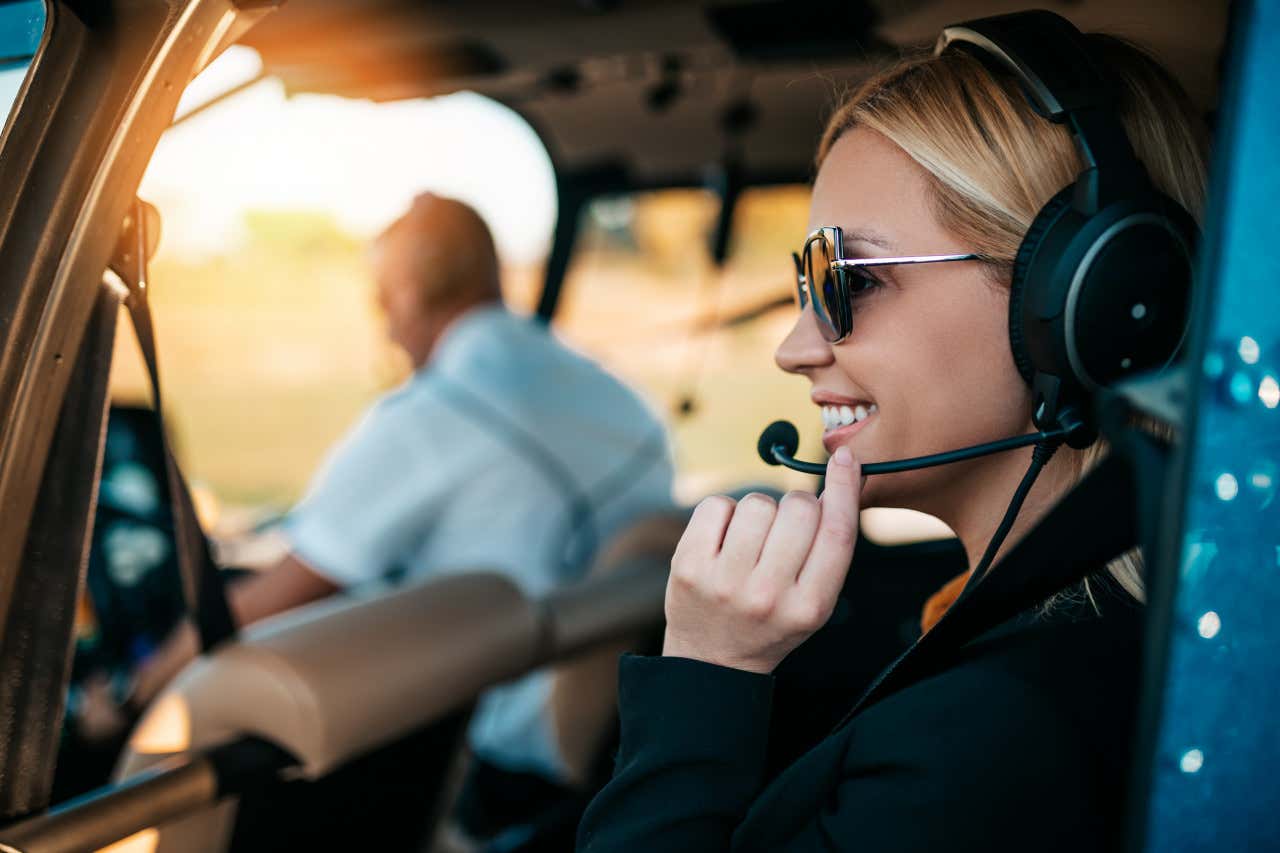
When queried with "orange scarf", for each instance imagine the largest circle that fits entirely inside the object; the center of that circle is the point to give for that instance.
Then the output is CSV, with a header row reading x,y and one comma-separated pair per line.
x,y
941,601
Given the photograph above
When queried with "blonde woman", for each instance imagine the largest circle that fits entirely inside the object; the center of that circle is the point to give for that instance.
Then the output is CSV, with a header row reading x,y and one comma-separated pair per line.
x,y
1018,736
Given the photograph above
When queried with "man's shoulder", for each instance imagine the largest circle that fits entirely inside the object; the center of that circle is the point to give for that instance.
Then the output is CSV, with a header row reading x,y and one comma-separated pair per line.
x,y
405,417
524,359
531,341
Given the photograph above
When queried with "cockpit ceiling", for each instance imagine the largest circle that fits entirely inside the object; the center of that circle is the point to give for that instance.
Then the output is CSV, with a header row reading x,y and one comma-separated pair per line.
x,y
663,88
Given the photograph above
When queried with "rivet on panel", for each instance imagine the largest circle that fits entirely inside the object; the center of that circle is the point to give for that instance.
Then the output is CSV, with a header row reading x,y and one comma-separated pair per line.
x,y
1240,388
1214,365
1269,391
1226,486
1249,350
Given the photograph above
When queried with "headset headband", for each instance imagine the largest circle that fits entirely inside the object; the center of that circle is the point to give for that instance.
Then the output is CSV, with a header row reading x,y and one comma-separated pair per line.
x,y
1065,84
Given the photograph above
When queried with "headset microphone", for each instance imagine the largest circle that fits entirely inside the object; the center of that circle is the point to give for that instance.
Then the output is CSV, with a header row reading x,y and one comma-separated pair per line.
x,y
780,440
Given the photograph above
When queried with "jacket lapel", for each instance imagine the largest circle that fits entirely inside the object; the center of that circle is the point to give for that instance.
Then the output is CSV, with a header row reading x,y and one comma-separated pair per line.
x,y
1094,523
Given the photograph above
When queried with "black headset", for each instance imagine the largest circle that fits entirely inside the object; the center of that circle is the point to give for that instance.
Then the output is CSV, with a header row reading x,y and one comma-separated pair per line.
x,y
1102,280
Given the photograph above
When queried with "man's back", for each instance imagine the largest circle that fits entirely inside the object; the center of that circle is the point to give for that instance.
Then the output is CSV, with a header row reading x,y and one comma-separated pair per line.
x,y
506,452
563,453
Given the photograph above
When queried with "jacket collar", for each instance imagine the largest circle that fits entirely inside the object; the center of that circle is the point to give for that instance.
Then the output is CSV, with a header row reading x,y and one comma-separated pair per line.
x,y
1094,523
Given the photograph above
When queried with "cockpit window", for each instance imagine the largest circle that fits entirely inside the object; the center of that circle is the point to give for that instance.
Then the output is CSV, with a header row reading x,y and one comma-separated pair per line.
x,y
644,296
22,26
271,341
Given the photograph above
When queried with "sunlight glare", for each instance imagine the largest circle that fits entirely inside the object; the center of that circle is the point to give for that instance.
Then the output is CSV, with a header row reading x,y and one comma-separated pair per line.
x,y
358,161
237,64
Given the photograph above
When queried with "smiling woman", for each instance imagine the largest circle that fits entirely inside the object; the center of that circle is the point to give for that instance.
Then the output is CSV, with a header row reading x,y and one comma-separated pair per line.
x,y
1014,708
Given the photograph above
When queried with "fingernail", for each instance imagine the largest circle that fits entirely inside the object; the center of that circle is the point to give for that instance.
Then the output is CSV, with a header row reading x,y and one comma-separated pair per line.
x,y
842,456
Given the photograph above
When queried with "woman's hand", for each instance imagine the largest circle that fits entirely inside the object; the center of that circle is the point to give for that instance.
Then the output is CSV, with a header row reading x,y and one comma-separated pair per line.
x,y
752,580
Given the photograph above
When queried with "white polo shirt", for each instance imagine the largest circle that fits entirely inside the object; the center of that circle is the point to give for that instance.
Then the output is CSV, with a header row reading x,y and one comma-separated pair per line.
x,y
507,451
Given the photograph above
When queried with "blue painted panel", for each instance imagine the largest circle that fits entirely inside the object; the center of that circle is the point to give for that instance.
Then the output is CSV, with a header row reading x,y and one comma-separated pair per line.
x,y
21,26
1214,783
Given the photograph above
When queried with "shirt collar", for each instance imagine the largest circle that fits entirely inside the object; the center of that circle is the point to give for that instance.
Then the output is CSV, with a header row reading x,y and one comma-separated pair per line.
x,y
479,327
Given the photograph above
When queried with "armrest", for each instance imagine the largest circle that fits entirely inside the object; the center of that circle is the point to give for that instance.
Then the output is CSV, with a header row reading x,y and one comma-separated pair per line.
x,y
331,681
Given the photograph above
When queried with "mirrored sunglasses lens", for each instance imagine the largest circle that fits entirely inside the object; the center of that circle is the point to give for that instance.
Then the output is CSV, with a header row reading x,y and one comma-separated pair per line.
x,y
823,286
841,305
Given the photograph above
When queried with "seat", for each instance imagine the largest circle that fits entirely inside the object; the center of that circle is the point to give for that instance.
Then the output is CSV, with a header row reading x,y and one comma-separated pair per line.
x,y
337,680
584,688
334,680
631,571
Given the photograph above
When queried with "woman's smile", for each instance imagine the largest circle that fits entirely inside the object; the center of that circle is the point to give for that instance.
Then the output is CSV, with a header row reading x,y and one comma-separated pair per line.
x,y
843,418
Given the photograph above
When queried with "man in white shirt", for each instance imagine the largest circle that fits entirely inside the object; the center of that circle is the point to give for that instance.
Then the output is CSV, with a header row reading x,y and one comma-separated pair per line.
x,y
504,450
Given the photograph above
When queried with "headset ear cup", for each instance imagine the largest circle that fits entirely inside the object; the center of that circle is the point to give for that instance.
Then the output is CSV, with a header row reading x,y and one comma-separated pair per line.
x,y
1018,286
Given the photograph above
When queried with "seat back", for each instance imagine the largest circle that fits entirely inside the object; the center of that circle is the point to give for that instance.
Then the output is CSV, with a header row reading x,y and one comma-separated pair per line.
x,y
584,688
331,681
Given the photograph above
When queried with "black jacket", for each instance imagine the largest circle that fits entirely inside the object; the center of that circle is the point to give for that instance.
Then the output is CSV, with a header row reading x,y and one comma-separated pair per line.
x,y
1006,727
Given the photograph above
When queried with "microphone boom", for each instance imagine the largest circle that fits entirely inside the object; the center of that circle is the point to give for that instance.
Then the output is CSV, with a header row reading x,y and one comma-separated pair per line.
x,y
780,440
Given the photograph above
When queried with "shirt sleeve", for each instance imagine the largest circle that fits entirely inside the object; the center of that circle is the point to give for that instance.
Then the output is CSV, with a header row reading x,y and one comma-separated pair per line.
x,y
691,758
373,501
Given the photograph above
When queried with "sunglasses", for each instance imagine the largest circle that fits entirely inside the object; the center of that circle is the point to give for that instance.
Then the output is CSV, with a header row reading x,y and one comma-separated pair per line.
x,y
832,283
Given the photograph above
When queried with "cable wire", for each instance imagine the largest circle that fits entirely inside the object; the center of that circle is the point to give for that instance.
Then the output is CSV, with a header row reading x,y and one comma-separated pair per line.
x,y
1040,457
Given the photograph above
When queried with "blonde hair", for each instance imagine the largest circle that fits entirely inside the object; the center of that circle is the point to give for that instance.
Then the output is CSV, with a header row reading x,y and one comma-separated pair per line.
x,y
992,162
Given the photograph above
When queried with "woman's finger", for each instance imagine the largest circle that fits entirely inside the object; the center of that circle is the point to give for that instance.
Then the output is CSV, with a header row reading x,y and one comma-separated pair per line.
x,y
824,570
745,537
705,532
788,544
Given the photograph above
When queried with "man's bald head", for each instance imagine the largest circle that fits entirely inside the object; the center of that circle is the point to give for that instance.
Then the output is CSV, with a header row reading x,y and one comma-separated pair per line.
x,y
432,264
442,247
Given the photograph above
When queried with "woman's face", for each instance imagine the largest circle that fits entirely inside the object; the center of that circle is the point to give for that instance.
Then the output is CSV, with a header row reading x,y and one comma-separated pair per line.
x,y
930,344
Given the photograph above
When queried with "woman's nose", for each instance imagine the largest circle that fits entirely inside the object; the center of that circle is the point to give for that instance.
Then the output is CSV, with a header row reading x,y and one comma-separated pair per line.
x,y
803,348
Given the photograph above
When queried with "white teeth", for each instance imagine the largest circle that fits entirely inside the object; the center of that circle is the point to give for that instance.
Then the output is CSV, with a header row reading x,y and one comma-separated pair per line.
x,y
834,417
